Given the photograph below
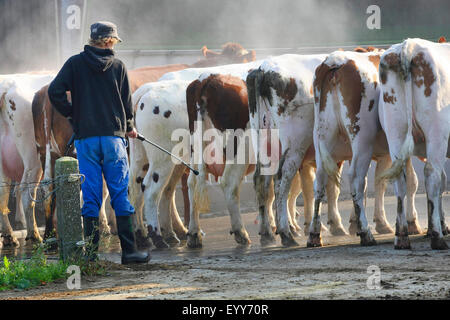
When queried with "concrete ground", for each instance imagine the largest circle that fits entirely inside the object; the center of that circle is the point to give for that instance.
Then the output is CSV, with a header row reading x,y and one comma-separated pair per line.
x,y
223,270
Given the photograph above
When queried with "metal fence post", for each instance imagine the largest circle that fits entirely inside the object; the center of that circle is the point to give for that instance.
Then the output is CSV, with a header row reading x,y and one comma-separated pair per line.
x,y
68,210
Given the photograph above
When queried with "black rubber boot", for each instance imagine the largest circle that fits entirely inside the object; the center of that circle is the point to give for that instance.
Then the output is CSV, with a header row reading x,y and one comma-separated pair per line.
x,y
130,254
92,237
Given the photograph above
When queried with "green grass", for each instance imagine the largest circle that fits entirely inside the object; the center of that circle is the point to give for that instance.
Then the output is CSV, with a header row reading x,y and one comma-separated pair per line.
x,y
24,274
38,271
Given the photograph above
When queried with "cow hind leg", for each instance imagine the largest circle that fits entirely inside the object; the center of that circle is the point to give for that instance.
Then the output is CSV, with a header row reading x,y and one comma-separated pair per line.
x,y
8,238
296,189
156,180
168,211
358,179
433,184
382,226
20,222
445,229
264,196
334,218
177,224
411,187
231,183
314,239
194,236
103,219
31,175
289,165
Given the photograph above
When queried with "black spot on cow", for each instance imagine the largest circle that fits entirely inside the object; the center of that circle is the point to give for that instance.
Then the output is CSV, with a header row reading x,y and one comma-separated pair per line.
x,y
156,110
167,113
142,106
13,105
139,180
143,187
155,177
145,167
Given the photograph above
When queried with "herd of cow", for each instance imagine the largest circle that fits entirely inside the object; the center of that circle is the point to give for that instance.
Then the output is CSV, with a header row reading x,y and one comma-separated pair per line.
x,y
363,105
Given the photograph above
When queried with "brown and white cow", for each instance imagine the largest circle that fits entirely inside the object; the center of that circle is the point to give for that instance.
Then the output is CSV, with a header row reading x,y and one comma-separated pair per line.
x,y
281,98
346,127
415,114
220,102
18,157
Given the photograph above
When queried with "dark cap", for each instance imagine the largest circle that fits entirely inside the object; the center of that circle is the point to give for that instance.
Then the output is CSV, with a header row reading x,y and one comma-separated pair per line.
x,y
104,29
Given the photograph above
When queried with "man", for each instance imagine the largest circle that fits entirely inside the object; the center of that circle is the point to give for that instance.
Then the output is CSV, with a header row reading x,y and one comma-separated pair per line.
x,y
102,116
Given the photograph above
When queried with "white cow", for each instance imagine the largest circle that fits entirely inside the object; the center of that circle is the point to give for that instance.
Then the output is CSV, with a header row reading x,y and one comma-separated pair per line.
x,y
415,114
18,155
347,127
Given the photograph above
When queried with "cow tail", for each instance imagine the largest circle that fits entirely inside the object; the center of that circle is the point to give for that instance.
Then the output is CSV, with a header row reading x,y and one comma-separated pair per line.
x,y
201,198
328,163
407,147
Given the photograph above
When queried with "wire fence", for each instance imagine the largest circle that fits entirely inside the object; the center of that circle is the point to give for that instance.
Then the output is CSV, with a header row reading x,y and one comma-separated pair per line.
x,y
48,184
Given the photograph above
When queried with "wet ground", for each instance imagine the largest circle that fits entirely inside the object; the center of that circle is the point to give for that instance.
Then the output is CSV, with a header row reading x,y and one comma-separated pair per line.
x,y
222,270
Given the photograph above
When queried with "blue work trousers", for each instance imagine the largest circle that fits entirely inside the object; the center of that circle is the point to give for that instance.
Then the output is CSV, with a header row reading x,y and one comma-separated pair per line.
x,y
108,156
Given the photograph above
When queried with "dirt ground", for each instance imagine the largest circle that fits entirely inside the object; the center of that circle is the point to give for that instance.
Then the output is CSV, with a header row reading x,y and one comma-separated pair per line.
x,y
221,270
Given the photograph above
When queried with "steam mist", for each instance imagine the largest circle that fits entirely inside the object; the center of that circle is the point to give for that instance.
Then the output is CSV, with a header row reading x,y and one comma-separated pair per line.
x,y
28,34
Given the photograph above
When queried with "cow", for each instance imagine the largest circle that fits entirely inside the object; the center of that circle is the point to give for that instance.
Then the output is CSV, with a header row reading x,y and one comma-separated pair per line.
x,y
57,135
415,114
347,127
280,97
160,110
19,159
52,133
220,101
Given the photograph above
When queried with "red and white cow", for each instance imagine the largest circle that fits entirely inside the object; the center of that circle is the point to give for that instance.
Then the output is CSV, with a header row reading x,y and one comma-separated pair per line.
x,y
18,157
346,91
415,114
220,102
280,97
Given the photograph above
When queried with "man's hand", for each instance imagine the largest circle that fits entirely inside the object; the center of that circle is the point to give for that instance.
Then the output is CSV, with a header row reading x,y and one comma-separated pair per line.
x,y
132,134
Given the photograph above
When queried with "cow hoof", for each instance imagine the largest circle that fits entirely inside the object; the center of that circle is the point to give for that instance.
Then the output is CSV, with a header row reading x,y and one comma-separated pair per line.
x,y
338,230
159,242
157,239
287,240
194,241
10,241
241,237
383,227
182,235
353,229
438,243
414,227
314,240
402,242
267,239
367,239
172,240
142,242
36,238
295,231
445,229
